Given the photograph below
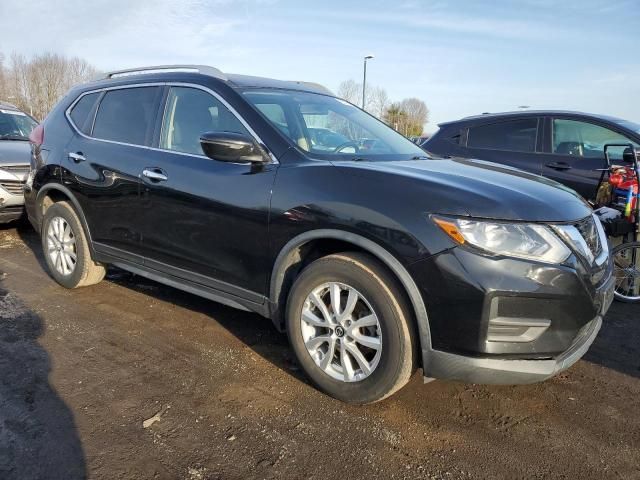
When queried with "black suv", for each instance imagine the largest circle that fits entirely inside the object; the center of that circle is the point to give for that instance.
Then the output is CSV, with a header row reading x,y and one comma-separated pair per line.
x,y
567,147
375,259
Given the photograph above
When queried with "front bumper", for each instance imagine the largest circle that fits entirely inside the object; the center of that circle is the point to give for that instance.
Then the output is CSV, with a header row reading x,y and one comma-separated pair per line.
x,y
466,293
499,371
11,204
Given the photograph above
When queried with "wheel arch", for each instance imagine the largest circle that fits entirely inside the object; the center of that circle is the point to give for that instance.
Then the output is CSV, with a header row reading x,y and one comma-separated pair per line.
x,y
54,192
287,266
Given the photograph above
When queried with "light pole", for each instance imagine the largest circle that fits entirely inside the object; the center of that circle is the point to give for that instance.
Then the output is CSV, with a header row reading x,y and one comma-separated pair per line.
x,y
364,79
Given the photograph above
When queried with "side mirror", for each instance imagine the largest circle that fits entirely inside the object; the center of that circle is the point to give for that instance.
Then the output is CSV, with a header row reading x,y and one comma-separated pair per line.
x,y
232,147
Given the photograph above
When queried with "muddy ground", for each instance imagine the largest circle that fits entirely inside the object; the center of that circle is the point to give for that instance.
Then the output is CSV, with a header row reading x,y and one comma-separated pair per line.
x,y
130,379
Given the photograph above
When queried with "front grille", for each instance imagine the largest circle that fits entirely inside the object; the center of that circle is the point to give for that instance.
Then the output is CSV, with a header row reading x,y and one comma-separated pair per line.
x,y
14,188
16,169
589,232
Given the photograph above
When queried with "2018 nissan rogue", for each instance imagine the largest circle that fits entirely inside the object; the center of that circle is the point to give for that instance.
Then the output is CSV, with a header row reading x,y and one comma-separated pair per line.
x,y
375,259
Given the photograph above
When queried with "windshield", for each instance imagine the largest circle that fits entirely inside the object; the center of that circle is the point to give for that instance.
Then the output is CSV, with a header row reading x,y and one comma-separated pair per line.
x,y
15,125
329,127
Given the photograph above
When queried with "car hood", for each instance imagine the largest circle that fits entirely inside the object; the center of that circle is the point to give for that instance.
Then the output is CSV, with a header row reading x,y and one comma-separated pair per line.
x,y
14,152
464,187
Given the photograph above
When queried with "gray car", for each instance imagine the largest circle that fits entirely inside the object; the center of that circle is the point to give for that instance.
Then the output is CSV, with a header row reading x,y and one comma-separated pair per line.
x,y
15,154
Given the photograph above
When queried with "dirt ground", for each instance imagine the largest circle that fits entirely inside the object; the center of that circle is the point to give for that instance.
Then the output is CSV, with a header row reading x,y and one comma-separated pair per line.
x,y
129,379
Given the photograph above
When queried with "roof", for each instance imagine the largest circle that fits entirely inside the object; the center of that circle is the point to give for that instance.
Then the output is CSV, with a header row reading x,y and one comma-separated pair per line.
x,y
234,80
527,113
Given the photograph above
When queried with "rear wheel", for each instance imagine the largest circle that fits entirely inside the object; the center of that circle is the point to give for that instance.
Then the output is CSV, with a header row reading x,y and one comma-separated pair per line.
x,y
626,262
66,249
350,329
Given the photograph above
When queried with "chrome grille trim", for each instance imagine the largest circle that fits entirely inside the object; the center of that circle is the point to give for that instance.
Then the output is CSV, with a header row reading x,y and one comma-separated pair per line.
x,y
589,232
14,188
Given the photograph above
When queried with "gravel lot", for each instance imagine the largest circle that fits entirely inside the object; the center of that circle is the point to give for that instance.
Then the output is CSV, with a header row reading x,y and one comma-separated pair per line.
x,y
130,379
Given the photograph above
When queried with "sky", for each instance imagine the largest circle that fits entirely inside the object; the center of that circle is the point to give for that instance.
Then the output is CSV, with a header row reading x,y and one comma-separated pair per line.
x,y
461,57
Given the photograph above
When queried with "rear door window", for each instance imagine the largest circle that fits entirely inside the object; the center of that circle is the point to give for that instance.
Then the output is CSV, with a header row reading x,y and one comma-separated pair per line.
x,y
583,139
82,112
127,115
514,135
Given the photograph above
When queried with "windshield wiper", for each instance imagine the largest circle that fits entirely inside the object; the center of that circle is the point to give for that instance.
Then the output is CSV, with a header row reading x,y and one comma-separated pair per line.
x,y
13,137
421,157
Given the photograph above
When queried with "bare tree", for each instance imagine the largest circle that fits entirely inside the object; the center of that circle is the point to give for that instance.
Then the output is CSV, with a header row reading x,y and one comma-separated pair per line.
x,y
408,116
417,112
350,90
377,98
377,101
36,84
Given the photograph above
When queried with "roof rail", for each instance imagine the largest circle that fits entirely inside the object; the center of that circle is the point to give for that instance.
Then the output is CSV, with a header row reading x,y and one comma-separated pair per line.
x,y
315,85
203,69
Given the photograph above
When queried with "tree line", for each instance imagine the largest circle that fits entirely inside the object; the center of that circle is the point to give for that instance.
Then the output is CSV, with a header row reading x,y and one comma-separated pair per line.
x,y
407,116
34,84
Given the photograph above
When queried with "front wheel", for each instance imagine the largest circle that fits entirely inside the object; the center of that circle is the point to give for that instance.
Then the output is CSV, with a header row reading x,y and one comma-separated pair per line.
x,y
626,262
350,329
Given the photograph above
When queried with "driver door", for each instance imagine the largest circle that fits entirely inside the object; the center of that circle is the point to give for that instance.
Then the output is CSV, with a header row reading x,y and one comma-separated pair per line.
x,y
206,220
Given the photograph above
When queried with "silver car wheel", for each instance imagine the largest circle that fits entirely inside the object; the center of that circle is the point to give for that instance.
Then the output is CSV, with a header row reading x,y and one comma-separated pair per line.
x,y
341,332
61,246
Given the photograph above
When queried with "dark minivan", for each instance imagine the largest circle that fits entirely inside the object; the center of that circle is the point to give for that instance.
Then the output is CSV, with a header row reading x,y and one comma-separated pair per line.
x,y
279,198
567,147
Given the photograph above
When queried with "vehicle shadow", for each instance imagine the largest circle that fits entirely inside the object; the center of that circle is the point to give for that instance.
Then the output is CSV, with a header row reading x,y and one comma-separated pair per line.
x,y
38,436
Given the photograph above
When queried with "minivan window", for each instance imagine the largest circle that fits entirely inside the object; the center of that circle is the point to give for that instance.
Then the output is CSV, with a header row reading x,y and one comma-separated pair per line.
x,y
82,112
329,127
189,113
127,115
513,135
583,139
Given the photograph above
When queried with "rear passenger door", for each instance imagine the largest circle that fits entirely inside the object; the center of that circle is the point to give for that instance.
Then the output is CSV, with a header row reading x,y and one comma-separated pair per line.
x,y
205,220
575,153
514,142
104,160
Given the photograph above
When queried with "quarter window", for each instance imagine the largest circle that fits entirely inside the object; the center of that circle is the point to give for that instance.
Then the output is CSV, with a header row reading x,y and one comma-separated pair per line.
x,y
189,113
127,115
514,135
82,112
582,139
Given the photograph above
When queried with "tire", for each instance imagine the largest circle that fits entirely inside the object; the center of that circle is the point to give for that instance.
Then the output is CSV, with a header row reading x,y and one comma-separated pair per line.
x,y
621,262
387,368
62,239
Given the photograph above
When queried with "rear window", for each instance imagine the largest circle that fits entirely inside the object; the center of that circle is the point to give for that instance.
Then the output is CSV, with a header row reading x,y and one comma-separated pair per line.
x,y
127,115
514,135
82,112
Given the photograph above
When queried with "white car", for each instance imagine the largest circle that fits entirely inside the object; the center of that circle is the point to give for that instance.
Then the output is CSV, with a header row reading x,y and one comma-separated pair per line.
x,y
15,154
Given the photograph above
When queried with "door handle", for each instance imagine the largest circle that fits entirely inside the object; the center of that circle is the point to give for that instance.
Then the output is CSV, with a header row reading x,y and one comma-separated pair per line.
x,y
155,174
559,166
77,157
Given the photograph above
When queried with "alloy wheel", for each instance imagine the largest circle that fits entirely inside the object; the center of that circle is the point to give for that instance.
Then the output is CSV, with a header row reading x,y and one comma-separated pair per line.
x,y
61,246
341,332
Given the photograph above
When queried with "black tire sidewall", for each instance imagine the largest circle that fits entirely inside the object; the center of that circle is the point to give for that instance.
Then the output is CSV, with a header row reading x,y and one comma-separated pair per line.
x,y
382,299
64,211
623,246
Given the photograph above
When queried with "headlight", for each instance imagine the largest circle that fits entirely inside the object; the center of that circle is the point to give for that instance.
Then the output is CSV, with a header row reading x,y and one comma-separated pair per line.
x,y
521,240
